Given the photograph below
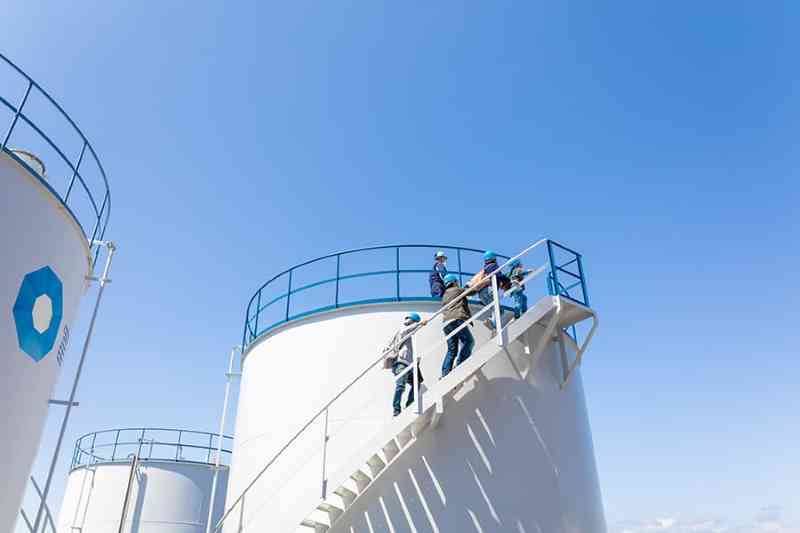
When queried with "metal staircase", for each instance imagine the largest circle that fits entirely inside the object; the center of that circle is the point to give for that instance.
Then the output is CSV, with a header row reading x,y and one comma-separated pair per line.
x,y
553,313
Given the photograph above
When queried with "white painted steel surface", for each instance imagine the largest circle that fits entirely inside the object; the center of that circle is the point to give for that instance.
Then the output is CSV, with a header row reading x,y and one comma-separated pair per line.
x,y
36,232
166,497
507,450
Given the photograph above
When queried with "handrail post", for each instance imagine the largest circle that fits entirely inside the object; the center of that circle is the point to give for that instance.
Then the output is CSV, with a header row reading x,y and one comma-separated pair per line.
x,y
16,118
338,268
289,295
178,447
498,318
416,384
325,439
397,270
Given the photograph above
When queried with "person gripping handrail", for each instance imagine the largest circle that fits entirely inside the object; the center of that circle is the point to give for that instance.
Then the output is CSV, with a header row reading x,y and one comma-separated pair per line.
x,y
456,313
399,355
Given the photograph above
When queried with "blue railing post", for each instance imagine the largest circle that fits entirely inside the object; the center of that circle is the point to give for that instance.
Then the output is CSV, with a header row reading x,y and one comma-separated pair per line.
x,y
338,269
114,451
460,271
75,172
99,220
245,340
583,282
17,114
288,295
76,452
397,270
258,312
178,447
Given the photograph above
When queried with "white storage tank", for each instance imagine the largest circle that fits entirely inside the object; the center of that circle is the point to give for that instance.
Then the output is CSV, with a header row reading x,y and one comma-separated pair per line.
x,y
47,222
153,480
503,445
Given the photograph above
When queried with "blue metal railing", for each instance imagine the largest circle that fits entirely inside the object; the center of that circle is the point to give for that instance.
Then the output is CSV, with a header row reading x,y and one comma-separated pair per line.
x,y
165,444
559,263
74,184
560,258
275,302
393,289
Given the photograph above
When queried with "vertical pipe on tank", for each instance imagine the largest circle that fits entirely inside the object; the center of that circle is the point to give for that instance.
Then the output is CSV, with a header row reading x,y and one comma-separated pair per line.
x,y
127,500
229,375
103,280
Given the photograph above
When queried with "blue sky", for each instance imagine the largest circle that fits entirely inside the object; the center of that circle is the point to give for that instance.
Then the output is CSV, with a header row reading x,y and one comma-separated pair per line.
x,y
659,139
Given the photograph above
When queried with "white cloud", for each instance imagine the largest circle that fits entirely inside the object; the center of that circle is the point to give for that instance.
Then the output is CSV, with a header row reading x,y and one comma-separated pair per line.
x,y
768,520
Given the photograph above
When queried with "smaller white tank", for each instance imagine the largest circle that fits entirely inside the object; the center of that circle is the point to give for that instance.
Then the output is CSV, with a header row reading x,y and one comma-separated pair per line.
x,y
167,490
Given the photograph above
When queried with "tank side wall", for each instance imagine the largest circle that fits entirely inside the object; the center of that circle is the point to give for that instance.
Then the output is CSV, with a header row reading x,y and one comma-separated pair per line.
x,y
37,233
166,497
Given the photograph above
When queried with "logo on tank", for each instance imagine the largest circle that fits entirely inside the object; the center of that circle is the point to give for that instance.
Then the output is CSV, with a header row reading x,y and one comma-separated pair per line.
x,y
38,311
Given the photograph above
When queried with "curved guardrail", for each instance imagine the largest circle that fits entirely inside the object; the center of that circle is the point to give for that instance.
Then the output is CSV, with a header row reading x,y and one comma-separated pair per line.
x,y
82,189
334,278
332,282
165,444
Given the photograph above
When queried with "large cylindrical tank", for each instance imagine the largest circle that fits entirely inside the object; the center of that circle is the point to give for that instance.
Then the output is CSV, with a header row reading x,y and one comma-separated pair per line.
x,y
512,452
168,490
54,201
46,262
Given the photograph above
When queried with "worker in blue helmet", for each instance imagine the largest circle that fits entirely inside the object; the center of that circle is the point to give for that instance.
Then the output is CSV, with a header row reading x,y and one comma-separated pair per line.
x,y
438,272
399,355
517,275
484,286
456,317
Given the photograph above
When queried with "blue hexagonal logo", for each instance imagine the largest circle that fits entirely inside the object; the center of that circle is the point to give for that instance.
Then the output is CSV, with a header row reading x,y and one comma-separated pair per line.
x,y
37,312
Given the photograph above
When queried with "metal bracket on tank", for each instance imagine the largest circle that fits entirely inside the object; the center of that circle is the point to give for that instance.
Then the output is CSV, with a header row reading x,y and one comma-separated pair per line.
x,y
63,402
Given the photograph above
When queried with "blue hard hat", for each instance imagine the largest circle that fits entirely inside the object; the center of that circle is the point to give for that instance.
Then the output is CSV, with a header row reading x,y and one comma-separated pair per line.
x,y
439,254
414,317
489,255
514,264
450,278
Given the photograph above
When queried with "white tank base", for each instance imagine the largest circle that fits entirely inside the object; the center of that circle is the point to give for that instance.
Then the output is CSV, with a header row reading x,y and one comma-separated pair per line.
x,y
167,497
